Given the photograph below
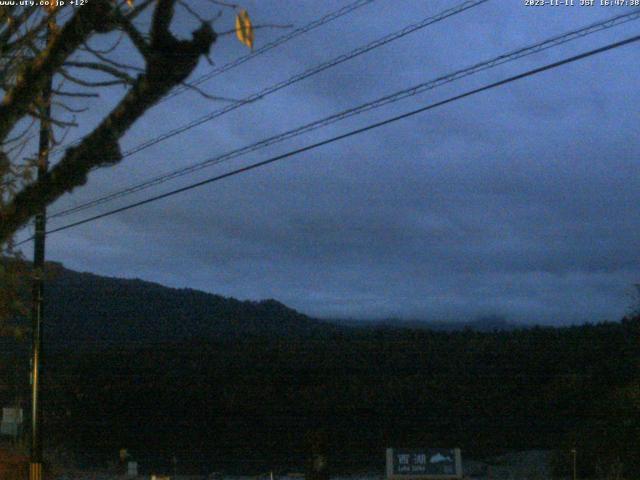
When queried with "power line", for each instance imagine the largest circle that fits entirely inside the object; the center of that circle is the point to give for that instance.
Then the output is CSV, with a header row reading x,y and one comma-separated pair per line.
x,y
296,78
257,52
306,74
278,41
351,133
310,72
422,87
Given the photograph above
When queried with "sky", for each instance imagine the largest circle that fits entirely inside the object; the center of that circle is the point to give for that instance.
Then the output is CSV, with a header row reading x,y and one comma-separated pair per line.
x,y
520,202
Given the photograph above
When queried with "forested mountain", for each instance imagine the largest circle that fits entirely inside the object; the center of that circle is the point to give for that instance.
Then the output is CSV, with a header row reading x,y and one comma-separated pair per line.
x,y
253,403
83,308
232,395
86,309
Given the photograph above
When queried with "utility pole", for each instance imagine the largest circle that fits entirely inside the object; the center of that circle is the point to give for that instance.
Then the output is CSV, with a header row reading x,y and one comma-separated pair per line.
x,y
35,462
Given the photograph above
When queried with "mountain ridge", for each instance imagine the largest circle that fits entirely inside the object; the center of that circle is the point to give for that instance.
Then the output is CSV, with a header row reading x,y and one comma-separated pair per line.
x,y
84,308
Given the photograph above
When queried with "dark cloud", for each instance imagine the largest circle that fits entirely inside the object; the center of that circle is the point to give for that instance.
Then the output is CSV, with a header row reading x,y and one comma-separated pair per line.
x,y
519,202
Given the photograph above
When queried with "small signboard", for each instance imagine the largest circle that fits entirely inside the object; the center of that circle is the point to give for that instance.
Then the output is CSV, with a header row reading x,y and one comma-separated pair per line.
x,y
426,463
12,415
11,421
132,469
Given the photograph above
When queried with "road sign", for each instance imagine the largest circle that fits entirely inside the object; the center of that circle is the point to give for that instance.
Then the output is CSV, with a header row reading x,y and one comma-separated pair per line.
x,y
425,463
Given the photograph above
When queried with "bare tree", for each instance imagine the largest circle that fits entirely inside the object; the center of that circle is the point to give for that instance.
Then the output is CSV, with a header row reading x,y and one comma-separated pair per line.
x,y
76,52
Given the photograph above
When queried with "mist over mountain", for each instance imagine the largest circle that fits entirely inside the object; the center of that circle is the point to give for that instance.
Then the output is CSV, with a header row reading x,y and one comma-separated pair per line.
x,y
490,323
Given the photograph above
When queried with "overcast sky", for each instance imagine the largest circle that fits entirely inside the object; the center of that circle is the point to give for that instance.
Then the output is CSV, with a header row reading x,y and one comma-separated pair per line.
x,y
522,201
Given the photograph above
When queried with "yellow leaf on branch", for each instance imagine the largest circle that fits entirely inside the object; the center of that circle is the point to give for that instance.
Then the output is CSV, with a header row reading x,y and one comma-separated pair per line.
x,y
244,29
52,6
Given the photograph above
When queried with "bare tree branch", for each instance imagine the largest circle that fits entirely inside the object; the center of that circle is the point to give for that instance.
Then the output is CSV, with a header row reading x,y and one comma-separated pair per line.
x,y
107,50
100,147
62,93
139,8
68,108
88,83
103,58
124,77
161,21
55,121
135,36
207,95
97,15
